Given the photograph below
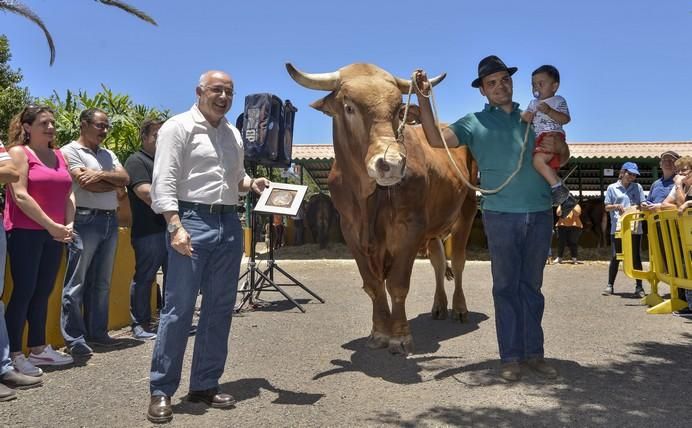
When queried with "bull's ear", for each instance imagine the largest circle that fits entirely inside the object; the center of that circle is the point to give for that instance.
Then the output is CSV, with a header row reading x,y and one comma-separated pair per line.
x,y
325,105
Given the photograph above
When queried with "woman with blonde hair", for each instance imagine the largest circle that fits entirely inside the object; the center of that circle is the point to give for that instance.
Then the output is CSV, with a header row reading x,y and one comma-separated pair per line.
x,y
680,196
39,211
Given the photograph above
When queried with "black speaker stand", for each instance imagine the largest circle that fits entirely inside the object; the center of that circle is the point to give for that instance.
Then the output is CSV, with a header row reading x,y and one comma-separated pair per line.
x,y
257,280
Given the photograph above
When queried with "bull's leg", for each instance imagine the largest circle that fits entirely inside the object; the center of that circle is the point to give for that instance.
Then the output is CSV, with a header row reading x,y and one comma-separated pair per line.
x,y
373,285
439,263
381,316
401,341
460,238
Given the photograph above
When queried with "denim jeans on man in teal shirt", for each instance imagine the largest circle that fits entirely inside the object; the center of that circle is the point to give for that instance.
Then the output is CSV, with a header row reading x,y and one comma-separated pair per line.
x,y
518,224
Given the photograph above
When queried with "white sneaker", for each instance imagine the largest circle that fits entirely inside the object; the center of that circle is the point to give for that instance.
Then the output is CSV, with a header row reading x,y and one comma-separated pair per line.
x,y
50,357
24,366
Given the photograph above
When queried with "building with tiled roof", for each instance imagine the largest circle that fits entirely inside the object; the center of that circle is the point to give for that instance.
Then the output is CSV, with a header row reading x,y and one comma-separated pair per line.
x,y
595,165
614,150
624,150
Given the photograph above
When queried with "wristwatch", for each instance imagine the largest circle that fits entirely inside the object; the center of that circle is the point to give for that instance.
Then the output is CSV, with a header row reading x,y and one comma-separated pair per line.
x,y
173,227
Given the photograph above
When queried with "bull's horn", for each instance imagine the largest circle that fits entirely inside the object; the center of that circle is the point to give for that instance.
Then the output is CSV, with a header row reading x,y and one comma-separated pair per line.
x,y
321,81
405,84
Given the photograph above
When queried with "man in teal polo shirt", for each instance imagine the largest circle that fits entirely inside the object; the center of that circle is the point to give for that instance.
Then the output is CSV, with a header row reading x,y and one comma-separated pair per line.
x,y
517,219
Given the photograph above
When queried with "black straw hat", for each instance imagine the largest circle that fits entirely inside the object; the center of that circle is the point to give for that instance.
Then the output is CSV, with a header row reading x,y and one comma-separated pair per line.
x,y
489,65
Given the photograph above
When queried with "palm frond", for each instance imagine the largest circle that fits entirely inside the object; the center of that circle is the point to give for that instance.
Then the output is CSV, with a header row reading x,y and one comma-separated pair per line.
x,y
20,9
129,9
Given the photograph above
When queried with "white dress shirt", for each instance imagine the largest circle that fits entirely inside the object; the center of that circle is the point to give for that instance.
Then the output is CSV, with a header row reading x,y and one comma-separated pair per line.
x,y
196,162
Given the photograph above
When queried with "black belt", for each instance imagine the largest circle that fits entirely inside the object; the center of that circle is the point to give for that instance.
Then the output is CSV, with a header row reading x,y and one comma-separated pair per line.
x,y
206,208
94,211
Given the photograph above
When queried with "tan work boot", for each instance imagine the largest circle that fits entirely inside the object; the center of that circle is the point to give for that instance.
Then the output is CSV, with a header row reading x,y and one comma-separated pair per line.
x,y
510,372
7,393
541,366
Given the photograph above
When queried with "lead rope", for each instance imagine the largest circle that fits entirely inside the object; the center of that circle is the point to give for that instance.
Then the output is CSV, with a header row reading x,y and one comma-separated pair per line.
x,y
449,153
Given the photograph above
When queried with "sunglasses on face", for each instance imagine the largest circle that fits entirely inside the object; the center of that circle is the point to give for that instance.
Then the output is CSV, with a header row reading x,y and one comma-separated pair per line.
x,y
33,109
101,126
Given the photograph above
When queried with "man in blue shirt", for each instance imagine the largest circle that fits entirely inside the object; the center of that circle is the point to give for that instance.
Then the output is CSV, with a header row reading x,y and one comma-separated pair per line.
x,y
661,188
518,219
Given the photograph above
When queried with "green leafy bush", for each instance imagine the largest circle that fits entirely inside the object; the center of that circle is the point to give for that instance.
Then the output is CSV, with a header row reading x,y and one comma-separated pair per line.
x,y
124,115
13,97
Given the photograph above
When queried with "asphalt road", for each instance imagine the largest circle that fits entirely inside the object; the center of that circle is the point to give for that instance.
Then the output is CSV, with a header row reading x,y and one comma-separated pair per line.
x,y
619,366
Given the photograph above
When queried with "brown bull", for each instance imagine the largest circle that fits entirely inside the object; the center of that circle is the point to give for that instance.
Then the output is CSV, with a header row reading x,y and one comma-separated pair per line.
x,y
392,197
595,219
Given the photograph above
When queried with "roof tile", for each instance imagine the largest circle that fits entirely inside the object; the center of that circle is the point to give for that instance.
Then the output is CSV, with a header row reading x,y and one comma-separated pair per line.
x,y
629,150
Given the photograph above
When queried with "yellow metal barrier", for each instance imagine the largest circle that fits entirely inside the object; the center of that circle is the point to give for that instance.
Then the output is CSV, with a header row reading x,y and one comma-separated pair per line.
x,y
628,223
247,240
119,307
670,255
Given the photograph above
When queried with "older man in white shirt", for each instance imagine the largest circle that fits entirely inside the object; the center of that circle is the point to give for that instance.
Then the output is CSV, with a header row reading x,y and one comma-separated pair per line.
x,y
198,174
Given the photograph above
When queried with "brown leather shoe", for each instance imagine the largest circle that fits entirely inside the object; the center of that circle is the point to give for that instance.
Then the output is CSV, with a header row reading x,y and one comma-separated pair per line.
x,y
541,366
7,394
160,410
17,380
212,397
510,372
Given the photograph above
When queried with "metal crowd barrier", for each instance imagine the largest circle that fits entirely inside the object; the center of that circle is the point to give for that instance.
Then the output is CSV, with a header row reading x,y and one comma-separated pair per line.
x,y
669,234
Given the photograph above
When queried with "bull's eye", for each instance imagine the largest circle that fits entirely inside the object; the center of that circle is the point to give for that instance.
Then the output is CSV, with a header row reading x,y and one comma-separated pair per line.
x,y
348,108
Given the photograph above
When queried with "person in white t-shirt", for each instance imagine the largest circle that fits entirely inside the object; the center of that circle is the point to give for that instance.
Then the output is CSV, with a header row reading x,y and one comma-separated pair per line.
x,y
548,112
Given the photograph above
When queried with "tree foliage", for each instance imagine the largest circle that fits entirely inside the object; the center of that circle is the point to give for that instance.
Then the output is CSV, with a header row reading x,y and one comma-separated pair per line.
x,y
19,8
124,115
13,97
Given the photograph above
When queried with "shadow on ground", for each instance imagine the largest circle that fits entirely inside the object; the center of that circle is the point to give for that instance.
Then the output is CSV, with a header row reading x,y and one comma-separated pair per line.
x,y
120,344
246,389
427,334
259,305
649,386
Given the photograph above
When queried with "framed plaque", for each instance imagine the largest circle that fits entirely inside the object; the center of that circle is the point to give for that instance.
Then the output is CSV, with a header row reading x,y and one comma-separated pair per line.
x,y
281,198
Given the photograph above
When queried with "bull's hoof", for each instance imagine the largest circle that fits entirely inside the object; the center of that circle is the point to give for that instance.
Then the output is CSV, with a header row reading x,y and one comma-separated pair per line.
x,y
377,341
401,345
460,316
439,312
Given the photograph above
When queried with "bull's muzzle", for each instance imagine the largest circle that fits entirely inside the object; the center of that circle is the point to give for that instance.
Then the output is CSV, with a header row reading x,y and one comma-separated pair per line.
x,y
388,167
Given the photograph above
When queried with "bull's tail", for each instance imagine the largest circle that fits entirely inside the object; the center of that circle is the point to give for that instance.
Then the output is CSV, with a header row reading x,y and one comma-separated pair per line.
x,y
449,273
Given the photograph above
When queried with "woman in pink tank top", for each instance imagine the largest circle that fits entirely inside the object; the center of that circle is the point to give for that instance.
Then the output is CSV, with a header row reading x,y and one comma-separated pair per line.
x,y
39,212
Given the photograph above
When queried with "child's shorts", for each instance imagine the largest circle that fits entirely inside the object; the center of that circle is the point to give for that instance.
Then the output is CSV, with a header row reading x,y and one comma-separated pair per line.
x,y
554,162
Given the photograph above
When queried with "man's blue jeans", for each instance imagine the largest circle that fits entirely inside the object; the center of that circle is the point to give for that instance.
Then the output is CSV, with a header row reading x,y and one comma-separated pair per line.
x,y
5,362
90,259
217,243
518,243
150,255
